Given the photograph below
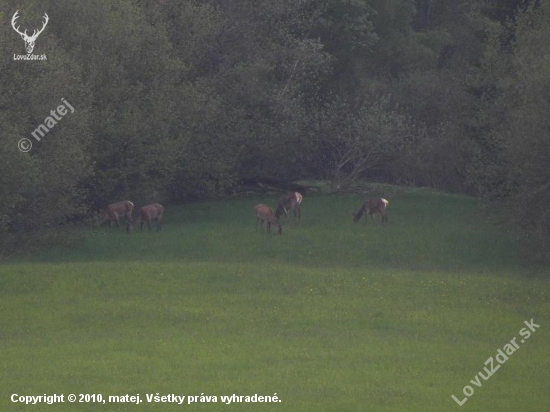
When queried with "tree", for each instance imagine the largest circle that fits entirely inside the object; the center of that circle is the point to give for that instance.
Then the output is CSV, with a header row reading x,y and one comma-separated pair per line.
x,y
511,161
41,187
355,142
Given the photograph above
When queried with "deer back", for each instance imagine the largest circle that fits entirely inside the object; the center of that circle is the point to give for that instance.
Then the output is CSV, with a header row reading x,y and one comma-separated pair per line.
x,y
152,211
376,205
265,213
114,210
121,208
371,207
287,202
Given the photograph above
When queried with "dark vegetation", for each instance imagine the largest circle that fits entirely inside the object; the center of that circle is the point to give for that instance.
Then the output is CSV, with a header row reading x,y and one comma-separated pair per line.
x,y
187,100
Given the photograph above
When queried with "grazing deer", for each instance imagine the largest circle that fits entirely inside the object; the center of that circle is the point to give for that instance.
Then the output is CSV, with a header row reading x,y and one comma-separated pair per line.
x,y
370,207
116,210
289,202
147,214
265,214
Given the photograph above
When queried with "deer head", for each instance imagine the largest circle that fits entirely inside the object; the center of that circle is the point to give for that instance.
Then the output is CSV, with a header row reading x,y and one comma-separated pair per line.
x,y
29,40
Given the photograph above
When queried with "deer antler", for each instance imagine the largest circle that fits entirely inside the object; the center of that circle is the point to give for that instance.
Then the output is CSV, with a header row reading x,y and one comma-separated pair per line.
x,y
29,40
24,34
37,32
15,16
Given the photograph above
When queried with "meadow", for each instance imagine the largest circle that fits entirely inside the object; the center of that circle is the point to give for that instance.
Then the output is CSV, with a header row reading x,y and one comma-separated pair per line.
x,y
330,316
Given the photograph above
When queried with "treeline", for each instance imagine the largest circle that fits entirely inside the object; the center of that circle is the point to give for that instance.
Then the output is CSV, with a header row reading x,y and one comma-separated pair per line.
x,y
181,100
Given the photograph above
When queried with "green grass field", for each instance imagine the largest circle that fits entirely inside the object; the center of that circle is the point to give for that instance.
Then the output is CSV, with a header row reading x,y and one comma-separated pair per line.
x,y
331,316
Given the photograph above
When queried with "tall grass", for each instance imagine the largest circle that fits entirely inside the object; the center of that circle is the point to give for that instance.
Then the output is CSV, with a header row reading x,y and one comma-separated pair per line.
x,y
331,316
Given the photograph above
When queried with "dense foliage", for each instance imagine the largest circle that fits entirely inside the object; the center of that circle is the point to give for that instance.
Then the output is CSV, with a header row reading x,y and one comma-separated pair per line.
x,y
178,100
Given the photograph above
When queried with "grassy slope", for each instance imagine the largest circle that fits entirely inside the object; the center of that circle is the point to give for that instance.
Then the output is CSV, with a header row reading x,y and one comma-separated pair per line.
x,y
330,316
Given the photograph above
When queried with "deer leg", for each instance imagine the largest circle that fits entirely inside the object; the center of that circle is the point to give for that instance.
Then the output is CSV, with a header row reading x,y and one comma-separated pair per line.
x,y
159,224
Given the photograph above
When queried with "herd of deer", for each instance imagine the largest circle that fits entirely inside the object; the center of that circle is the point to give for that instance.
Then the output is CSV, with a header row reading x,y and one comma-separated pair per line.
x,y
265,216
125,208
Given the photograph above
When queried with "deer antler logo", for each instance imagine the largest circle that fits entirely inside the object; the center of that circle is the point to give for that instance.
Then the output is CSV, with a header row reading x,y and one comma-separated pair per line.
x,y
29,40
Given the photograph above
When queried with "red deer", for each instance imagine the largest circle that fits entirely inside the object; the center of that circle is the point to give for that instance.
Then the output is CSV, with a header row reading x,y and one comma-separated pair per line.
x,y
264,214
116,210
370,207
289,202
147,214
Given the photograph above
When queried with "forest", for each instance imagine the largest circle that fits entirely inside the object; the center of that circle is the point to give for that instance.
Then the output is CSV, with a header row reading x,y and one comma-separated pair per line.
x,y
179,101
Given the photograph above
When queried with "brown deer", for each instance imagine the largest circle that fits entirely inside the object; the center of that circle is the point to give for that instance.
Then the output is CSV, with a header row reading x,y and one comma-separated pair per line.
x,y
116,210
370,207
145,215
289,202
265,214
